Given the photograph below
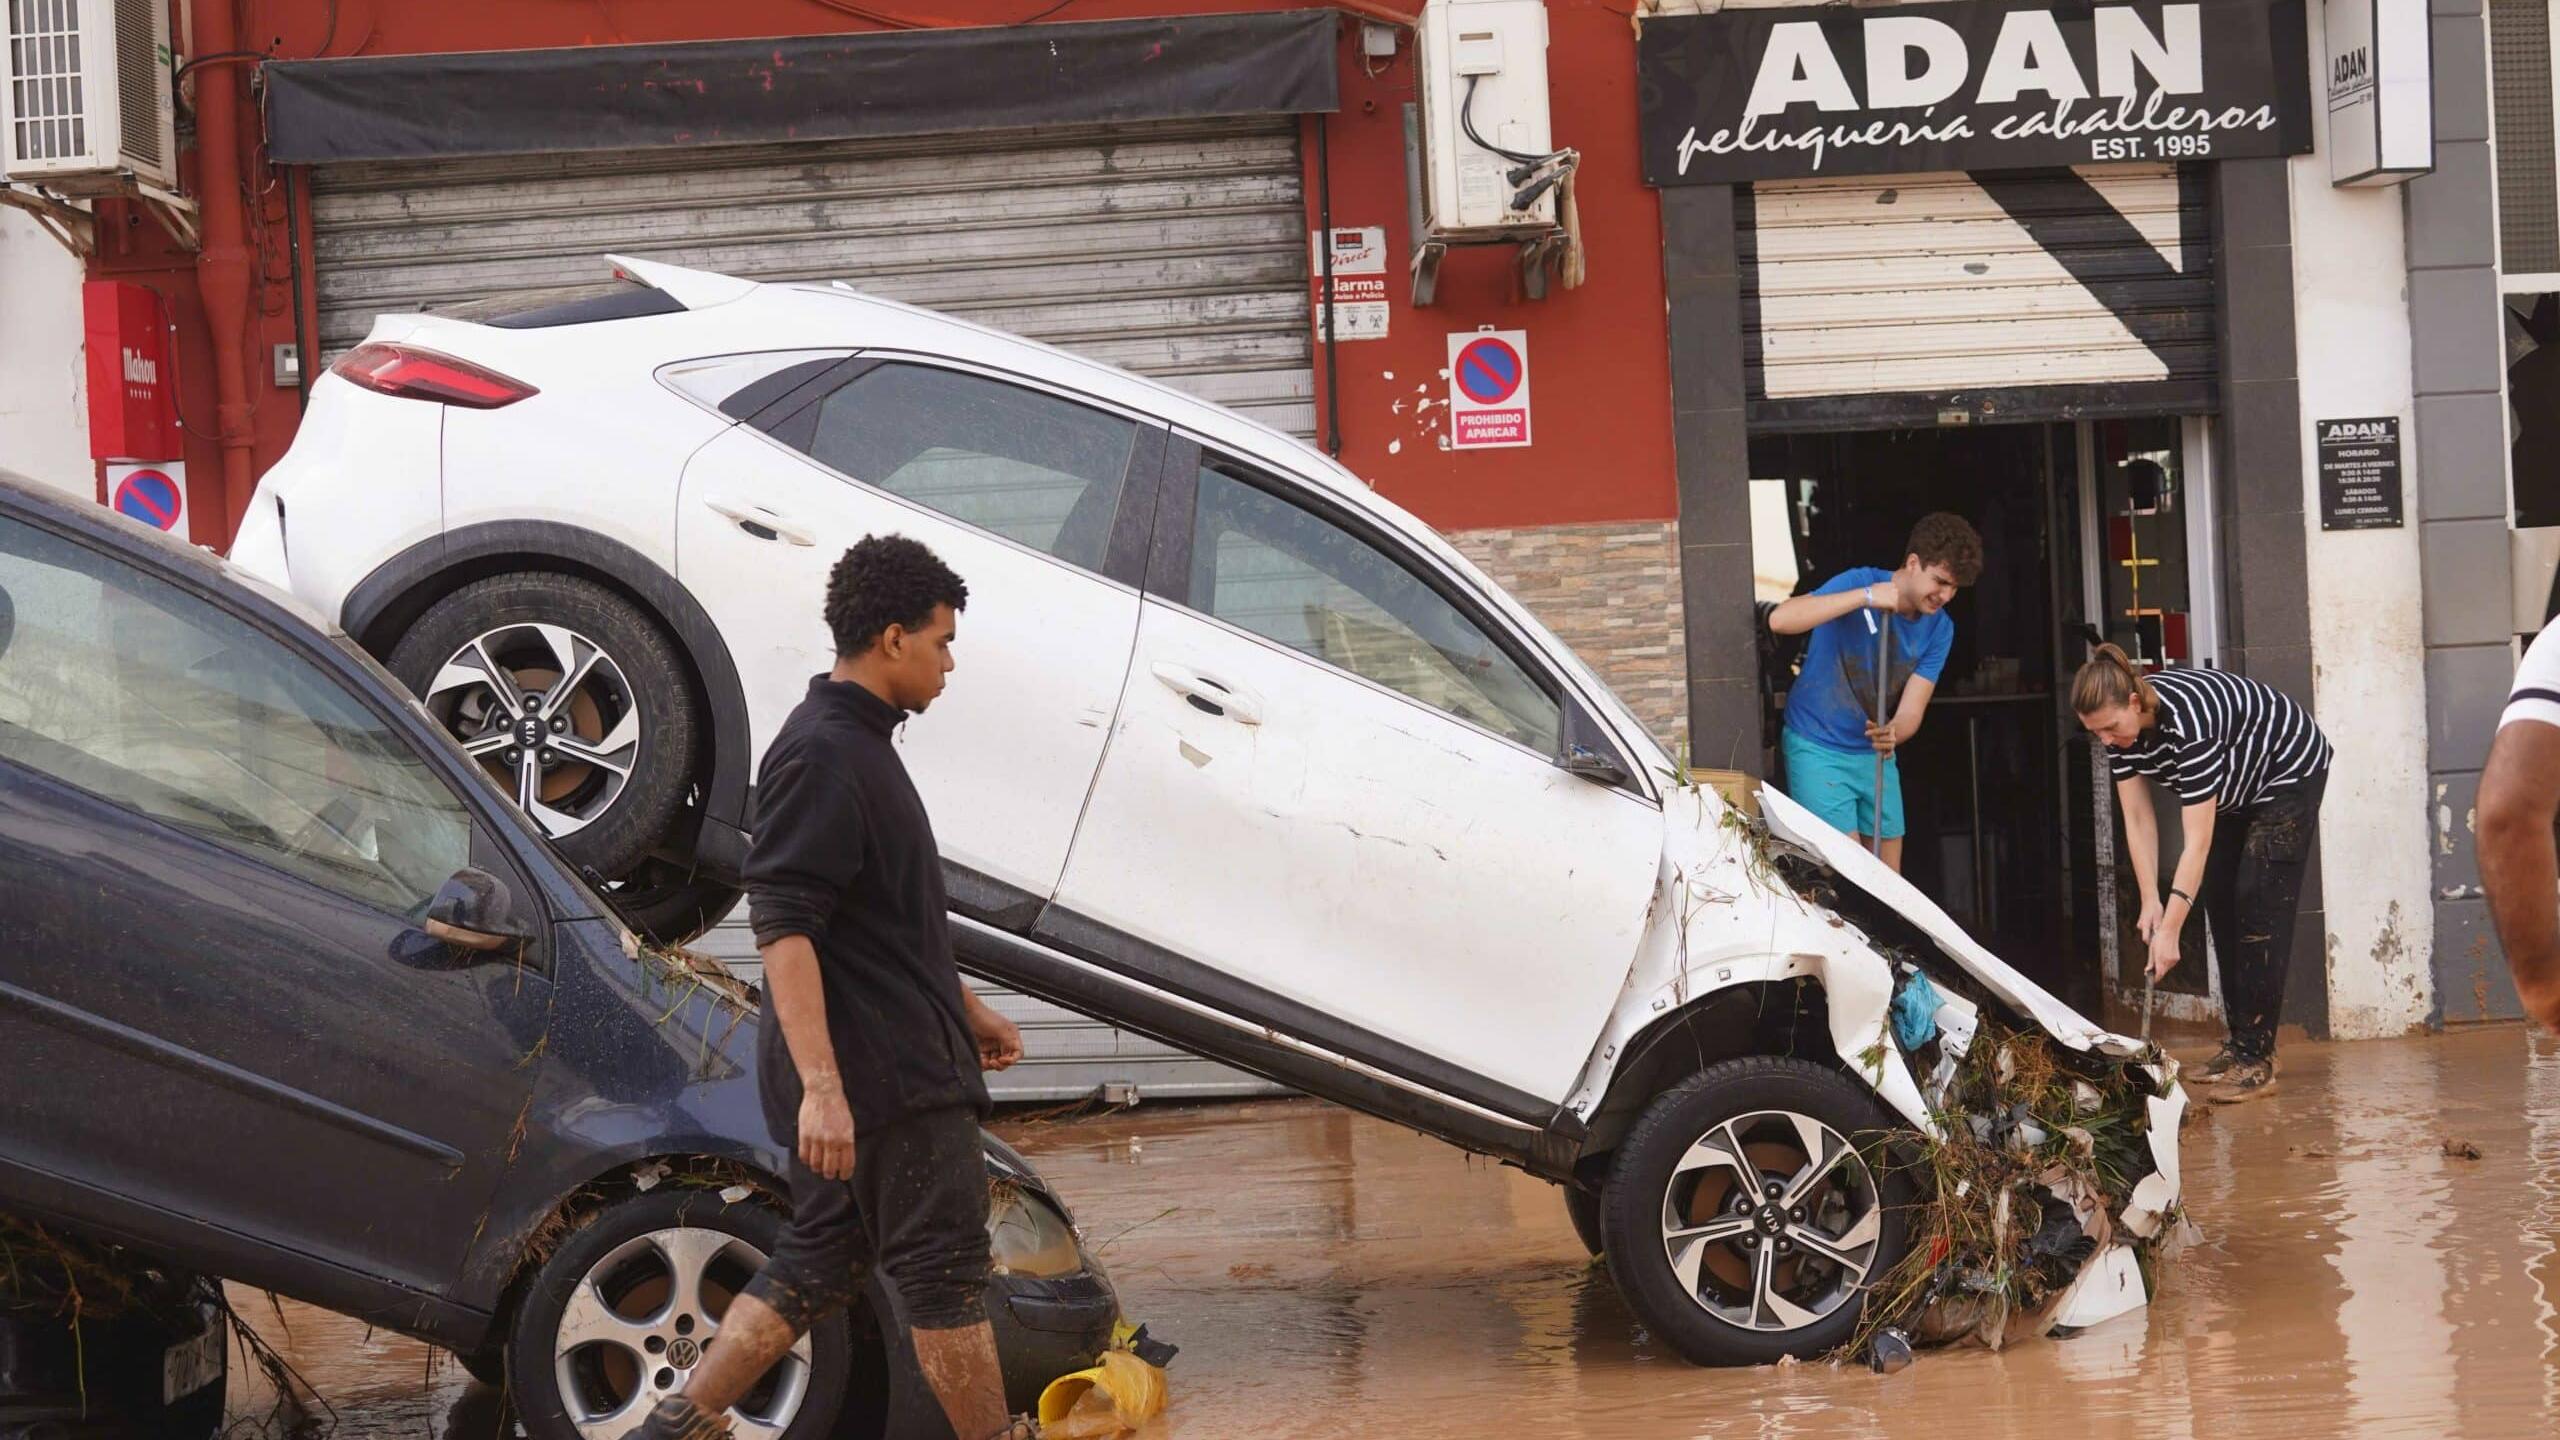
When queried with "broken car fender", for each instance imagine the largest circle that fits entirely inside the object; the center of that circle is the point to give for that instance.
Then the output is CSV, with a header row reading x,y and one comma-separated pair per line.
x,y
1722,917
1848,859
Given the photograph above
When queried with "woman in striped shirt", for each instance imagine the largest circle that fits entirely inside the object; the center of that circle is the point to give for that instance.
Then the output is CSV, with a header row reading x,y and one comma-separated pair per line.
x,y
2248,766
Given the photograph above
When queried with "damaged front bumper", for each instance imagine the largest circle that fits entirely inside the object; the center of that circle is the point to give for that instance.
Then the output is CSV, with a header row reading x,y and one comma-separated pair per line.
x,y
1786,898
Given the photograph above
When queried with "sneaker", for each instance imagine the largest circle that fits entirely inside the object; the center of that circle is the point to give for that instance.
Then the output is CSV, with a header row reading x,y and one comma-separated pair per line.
x,y
2215,1070
2246,1080
678,1418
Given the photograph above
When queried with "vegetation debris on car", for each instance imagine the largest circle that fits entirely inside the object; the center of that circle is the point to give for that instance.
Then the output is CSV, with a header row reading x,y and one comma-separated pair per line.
x,y
2032,1195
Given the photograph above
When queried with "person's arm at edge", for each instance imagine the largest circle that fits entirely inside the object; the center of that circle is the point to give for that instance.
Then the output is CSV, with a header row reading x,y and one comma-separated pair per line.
x,y
1798,614
999,1039
809,846
1907,715
2519,862
2195,820
2142,847
800,1006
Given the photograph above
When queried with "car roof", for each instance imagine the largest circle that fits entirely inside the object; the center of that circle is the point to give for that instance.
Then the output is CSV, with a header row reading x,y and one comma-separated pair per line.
x,y
63,508
724,314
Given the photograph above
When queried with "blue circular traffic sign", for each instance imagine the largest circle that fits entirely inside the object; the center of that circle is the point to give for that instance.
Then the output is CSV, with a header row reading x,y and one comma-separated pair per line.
x,y
150,497
1489,371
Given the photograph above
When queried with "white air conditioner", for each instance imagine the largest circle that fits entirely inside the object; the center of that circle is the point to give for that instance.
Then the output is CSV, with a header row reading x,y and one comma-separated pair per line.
x,y
1484,118
87,103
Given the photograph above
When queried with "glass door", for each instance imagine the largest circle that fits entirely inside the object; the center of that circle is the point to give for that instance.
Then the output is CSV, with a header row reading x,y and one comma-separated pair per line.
x,y
2147,537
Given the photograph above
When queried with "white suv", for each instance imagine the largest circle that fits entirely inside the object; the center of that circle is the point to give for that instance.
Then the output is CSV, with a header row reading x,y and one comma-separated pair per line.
x,y
1239,755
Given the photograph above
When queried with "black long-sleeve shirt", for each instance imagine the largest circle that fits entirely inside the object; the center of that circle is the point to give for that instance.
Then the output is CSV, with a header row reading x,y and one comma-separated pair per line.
x,y
844,854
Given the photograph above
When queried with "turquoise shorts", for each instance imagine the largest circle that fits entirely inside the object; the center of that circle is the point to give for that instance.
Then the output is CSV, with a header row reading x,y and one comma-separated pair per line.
x,y
1840,786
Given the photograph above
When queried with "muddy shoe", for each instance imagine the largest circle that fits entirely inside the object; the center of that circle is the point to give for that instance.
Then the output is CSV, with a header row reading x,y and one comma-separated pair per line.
x,y
2246,1080
678,1418
2215,1070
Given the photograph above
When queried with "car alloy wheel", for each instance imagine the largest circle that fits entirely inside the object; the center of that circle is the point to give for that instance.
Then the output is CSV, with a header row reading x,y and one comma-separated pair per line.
x,y
1772,1221
551,714
640,1321
1754,1207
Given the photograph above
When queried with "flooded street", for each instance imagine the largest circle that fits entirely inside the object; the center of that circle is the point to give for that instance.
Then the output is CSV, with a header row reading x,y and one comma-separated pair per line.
x,y
1327,1274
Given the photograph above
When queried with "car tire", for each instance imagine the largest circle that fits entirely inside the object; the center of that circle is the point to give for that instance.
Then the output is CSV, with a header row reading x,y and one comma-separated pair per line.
x,y
580,1349
1582,1206
671,905
1717,1264
488,1365
604,819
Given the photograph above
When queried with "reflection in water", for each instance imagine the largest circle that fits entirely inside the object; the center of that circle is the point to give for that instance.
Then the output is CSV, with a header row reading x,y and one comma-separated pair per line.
x,y
1326,1274
2352,1281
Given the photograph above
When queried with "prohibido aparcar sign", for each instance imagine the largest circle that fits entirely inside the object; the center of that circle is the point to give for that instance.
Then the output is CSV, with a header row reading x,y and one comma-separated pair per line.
x,y
1747,94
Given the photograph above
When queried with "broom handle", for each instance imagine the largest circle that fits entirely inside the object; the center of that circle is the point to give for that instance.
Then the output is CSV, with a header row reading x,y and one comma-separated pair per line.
x,y
1884,662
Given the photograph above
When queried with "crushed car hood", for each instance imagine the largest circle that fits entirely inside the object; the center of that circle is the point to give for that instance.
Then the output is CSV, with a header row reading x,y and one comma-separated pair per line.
x,y
1798,826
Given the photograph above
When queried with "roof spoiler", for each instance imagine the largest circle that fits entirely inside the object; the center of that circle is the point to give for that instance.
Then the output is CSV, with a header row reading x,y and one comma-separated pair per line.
x,y
693,289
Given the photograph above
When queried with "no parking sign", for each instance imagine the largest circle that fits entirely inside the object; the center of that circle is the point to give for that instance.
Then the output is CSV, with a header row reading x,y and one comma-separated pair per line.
x,y
153,495
1488,389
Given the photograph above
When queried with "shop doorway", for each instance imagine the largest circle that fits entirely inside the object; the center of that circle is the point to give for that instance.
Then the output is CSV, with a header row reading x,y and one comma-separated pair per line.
x,y
2086,530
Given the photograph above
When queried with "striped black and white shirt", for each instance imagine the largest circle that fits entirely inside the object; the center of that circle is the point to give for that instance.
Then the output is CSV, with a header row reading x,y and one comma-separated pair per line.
x,y
2537,692
2224,738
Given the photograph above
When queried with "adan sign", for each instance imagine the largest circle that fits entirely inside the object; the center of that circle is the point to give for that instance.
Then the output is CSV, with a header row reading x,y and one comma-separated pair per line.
x,y
1755,94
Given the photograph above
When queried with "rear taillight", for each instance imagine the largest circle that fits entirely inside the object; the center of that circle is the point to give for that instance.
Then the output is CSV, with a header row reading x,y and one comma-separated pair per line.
x,y
414,374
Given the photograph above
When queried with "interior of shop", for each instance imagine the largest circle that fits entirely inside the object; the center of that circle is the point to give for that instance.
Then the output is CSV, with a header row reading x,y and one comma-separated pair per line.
x,y
2085,528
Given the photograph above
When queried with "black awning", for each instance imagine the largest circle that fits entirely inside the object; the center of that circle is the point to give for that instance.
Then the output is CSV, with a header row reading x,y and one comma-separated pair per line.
x,y
831,87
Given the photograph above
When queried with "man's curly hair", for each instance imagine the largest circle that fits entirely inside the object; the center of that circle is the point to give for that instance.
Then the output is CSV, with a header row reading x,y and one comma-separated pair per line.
x,y
887,580
1944,539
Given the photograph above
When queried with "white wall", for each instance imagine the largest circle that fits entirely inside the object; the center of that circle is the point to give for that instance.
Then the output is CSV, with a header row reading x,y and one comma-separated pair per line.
x,y
2351,323
44,417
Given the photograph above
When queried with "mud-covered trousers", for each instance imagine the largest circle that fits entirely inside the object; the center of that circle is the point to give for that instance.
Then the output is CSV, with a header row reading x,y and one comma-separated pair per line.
x,y
916,1207
2252,894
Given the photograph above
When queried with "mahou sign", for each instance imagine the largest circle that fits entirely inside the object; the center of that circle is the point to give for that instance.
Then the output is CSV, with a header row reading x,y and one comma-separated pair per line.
x,y
1745,94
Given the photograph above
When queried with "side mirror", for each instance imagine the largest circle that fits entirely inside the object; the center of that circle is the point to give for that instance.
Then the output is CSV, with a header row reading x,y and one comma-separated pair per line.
x,y
474,911
1585,754
1594,766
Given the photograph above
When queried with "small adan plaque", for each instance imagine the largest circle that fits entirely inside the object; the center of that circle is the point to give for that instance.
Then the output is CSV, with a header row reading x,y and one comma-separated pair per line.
x,y
2360,474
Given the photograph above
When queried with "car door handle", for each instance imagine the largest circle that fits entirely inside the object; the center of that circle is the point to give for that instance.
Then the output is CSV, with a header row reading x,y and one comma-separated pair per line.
x,y
759,521
1209,696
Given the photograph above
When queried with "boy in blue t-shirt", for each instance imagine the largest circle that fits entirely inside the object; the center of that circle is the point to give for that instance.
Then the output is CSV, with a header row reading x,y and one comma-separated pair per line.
x,y
1832,738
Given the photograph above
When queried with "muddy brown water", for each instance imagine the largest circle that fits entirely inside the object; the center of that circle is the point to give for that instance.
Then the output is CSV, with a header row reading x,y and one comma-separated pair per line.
x,y
1327,1274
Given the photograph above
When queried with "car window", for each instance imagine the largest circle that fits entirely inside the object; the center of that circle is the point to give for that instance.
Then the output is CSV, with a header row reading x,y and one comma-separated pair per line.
x,y
1289,575
139,693
1031,467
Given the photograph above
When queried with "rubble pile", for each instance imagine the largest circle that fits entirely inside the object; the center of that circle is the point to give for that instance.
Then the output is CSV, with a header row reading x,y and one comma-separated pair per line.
x,y
2043,1189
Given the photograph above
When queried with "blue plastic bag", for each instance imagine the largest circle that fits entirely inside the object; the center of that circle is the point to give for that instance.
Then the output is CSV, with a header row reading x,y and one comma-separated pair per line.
x,y
1915,1012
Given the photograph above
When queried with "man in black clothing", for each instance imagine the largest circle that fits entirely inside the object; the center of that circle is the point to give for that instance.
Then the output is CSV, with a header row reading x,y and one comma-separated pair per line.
x,y
871,1046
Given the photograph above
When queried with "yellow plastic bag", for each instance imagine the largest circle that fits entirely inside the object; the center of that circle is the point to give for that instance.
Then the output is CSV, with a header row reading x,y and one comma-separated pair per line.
x,y
1109,1400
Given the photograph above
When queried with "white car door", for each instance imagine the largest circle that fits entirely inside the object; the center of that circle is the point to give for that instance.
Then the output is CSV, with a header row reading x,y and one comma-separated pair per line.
x,y
1333,806
1018,489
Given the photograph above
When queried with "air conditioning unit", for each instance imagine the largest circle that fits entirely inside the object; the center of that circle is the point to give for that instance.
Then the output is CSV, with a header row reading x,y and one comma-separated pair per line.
x,y
1484,166
1484,117
87,102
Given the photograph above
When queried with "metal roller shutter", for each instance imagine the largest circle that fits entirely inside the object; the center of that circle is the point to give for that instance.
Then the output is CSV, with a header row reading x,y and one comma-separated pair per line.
x,y
1946,283
1177,250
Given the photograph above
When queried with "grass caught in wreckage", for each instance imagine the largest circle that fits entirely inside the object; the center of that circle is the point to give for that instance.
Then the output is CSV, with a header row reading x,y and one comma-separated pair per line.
x,y
2033,1179
2030,1183
100,1294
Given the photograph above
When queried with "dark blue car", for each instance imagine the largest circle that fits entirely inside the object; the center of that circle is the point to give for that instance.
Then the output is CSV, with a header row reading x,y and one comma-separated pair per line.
x,y
290,994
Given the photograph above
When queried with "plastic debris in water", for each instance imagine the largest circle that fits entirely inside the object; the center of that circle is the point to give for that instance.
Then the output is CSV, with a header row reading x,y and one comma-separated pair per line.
x,y
1109,1400
1915,1012
1890,1352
